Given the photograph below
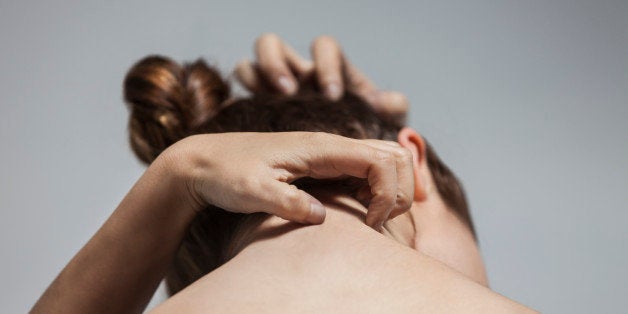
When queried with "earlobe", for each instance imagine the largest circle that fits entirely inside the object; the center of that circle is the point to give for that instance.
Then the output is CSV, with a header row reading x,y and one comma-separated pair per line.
x,y
410,139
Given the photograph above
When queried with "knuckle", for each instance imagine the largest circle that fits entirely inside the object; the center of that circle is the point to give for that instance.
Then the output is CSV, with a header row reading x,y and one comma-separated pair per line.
x,y
292,201
386,199
403,200
267,37
403,153
292,195
397,152
250,183
384,195
392,143
407,154
325,40
383,157
376,192
314,138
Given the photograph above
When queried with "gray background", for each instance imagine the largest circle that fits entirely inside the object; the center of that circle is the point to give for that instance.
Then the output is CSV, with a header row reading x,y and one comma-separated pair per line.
x,y
527,101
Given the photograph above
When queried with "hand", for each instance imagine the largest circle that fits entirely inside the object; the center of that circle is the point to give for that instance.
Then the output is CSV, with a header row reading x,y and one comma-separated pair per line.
x,y
279,68
252,172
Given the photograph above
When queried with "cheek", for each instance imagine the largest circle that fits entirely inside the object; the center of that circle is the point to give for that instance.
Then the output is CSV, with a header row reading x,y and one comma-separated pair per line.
x,y
452,243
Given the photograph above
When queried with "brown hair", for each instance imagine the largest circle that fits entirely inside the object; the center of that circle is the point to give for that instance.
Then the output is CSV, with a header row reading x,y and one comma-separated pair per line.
x,y
168,102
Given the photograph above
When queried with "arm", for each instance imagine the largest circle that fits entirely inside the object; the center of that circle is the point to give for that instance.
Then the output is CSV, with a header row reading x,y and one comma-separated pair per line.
x,y
119,269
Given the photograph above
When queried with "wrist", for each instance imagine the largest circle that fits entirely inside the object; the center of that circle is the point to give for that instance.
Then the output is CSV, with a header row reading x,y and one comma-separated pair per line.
x,y
175,165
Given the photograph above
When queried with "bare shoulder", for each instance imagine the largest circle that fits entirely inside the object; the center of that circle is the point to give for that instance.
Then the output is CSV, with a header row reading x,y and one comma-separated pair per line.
x,y
402,281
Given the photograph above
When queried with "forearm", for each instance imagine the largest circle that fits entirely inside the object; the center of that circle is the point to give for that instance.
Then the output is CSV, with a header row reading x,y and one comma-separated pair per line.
x,y
120,267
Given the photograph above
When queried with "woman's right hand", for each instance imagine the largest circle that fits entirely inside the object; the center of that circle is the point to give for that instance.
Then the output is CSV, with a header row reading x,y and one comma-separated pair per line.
x,y
252,172
279,68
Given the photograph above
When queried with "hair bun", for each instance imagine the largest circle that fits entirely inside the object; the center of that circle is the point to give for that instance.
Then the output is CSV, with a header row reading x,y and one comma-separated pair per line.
x,y
168,102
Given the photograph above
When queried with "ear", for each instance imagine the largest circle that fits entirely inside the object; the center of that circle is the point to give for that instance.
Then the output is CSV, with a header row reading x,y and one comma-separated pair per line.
x,y
410,139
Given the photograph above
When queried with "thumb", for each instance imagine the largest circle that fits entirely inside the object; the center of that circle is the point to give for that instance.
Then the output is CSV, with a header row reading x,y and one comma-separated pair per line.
x,y
290,203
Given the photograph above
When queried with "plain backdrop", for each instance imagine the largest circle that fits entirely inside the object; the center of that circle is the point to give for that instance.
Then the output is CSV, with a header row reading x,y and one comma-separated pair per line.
x,y
526,100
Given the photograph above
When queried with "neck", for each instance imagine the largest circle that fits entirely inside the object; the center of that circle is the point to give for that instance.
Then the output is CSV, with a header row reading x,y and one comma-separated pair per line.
x,y
345,215
428,227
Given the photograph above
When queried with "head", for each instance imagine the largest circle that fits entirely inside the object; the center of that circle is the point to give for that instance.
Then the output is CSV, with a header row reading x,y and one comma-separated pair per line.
x,y
169,101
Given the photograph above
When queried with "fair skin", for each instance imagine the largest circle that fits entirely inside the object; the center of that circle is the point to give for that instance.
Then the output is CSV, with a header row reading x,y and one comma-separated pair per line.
x,y
120,267
280,65
279,68
425,261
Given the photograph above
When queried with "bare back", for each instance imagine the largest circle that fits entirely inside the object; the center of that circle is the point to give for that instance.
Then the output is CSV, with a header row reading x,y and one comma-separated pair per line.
x,y
341,266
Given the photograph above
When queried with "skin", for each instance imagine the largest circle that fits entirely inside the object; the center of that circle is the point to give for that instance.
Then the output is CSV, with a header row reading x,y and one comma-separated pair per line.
x,y
279,68
120,267
424,261
424,258
341,266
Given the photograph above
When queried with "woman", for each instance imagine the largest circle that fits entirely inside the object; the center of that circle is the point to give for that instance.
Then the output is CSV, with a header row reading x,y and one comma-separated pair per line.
x,y
371,220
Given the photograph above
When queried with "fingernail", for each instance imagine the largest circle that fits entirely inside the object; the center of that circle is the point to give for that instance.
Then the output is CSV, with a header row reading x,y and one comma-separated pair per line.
x,y
380,227
370,221
333,91
317,211
287,85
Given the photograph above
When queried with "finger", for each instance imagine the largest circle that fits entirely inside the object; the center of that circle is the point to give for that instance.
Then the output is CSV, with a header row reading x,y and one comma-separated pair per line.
x,y
331,155
300,65
290,203
405,175
390,103
328,66
384,186
247,75
273,63
358,83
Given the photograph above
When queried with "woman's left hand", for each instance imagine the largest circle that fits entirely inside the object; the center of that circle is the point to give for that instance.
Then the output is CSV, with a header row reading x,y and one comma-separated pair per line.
x,y
252,172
